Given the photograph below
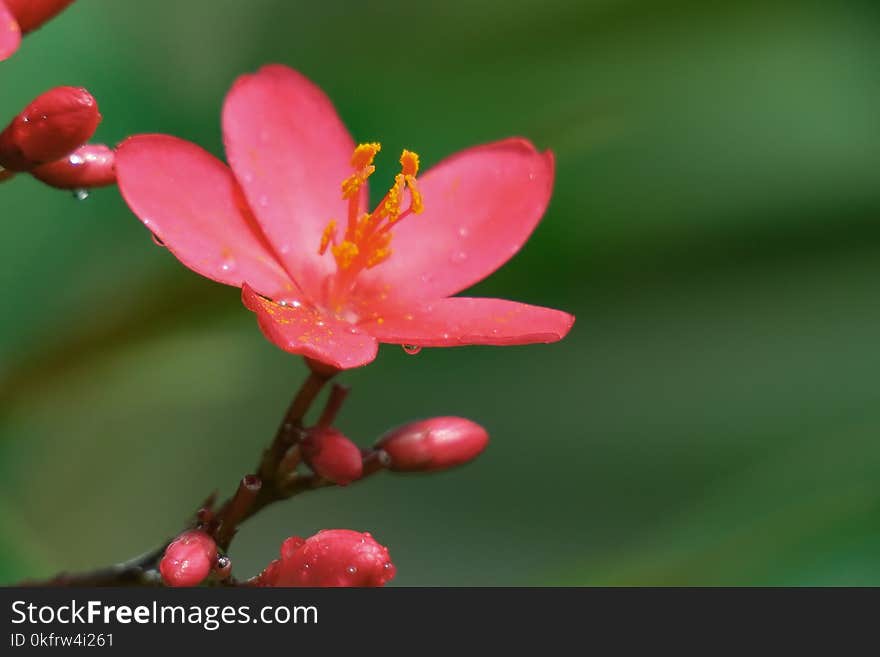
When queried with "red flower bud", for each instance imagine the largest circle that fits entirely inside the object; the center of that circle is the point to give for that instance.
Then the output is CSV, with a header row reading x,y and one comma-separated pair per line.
x,y
54,124
92,165
435,444
332,455
188,559
30,14
332,557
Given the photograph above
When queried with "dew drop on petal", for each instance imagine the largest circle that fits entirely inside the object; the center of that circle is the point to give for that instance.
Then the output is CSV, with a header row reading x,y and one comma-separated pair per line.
x,y
412,349
227,265
80,194
463,231
76,159
351,570
156,240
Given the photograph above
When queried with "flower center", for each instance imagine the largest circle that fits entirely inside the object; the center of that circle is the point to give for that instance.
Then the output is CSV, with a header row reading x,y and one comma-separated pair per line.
x,y
366,241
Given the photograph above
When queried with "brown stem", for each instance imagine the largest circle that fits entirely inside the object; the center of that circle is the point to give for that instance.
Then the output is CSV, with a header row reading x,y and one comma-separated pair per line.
x,y
236,509
136,572
291,426
338,393
254,492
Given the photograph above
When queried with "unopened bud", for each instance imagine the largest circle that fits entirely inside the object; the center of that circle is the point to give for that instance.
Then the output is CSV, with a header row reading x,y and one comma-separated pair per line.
x,y
30,14
434,444
92,165
332,557
51,126
332,455
188,559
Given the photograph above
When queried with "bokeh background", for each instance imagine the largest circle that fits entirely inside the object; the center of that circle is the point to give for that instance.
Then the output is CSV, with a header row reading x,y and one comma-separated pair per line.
x,y
713,418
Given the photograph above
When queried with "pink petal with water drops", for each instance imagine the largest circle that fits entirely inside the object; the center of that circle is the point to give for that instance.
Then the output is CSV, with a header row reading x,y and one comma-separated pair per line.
x,y
481,205
10,34
300,329
466,320
191,202
290,153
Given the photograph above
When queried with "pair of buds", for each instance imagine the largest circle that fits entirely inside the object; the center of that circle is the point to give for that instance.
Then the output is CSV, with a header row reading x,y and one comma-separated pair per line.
x,y
426,445
48,140
332,557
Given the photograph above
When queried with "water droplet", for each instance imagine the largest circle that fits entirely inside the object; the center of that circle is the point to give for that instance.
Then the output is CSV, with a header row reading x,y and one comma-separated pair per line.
x,y
458,257
412,349
227,265
295,304
351,570
80,194
463,232
156,240
532,176
282,303
76,160
388,565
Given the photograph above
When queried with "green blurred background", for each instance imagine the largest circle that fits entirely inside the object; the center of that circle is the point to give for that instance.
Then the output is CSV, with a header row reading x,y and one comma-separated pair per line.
x,y
714,416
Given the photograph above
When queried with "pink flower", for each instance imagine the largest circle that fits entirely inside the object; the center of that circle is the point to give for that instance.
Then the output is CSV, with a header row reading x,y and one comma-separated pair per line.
x,y
188,559
332,557
19,17
289,224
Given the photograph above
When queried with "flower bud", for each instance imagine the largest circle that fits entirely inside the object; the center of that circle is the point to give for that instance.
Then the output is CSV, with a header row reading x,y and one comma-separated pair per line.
x,y
92,165
188,559
54,124
332,455
332,557
434,444
30,14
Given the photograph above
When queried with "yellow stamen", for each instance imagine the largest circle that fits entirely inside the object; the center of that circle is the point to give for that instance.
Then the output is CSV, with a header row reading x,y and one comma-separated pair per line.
x,y
409,163
362,161
328,236
417,203
367,237
345,253
364,154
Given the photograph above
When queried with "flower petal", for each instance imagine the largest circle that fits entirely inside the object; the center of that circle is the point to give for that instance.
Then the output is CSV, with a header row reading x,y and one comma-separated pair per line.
x,y
467,320
190,200
481,205
290,153
10,33
300,329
